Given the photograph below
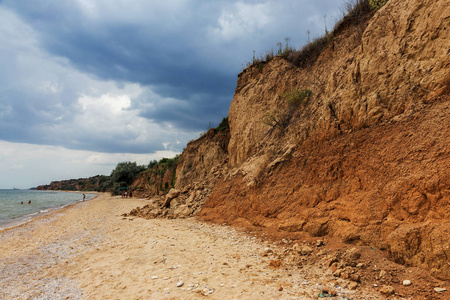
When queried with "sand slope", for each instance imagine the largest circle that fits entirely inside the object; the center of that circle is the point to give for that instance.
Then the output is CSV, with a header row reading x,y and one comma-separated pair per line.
x,y
89,251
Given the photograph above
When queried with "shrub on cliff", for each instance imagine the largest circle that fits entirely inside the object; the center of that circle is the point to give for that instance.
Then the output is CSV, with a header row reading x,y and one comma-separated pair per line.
x,y
123,175
377,4
297,97
223,125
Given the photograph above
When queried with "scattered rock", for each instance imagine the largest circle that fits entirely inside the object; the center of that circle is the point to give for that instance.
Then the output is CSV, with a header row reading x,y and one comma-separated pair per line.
x,y
173,193
180,284
302,250
361,265
337,273
275,263
206,291
439,290
407,282
387,290
320,243
355,277
154,277
382,274
267,252
350,256
353,285
328,292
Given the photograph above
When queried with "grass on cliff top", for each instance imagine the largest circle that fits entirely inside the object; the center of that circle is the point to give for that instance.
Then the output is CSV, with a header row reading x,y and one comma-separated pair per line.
x,y
356,13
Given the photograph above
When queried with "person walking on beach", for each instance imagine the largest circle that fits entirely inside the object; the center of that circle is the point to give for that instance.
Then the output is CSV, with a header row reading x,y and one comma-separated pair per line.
x,y
84,197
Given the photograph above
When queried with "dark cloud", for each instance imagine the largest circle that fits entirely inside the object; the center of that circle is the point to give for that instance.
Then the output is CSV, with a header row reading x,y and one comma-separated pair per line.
x,y
184,56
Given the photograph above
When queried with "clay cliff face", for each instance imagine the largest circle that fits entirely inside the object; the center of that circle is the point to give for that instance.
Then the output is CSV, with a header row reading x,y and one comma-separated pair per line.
x,y
199,167
359,80
366,157
363,158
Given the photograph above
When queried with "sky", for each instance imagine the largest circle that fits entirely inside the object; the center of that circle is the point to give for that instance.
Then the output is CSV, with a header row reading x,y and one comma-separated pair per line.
x,y
86,84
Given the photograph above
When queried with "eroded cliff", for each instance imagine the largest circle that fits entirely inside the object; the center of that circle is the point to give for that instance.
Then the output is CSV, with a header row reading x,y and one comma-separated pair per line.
x,y
366,156
361,155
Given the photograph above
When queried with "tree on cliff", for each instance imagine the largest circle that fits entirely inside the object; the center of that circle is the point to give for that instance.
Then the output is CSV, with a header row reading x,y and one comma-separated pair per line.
x,y
123,175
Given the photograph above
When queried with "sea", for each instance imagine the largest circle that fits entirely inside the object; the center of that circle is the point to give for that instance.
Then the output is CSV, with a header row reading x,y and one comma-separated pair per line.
x,y
21,206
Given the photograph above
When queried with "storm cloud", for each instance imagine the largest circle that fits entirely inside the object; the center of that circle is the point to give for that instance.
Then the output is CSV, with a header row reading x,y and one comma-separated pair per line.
x,y
134,76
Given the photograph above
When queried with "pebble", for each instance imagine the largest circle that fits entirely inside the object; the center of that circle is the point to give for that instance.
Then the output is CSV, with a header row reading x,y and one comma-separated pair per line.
x,y
353,285
180,284
154,277
439,290
267,252
387,290
407,282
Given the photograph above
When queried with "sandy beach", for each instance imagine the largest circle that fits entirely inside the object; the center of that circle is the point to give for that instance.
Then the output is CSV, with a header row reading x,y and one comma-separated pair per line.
x,y
90,251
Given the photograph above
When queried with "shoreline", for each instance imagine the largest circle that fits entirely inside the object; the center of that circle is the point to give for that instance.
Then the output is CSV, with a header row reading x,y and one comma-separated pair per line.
x,y
27,218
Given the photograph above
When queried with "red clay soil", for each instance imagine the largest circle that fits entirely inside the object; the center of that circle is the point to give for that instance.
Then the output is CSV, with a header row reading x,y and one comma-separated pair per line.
x,y
386,187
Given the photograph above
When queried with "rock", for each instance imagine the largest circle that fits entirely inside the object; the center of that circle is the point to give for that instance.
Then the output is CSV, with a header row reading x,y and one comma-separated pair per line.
x,y
355,277
327,292
335,266
337,273
382,274
361,265
275,263
351,255
173,193
439,290
206,291
387,290
407,282
320,243
267,252
154,277
181,211
180,284
353,285
302,250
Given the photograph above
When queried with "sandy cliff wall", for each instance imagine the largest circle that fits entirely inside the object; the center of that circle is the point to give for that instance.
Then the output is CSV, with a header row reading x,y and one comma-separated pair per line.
x,y
189,182
366,158
362,78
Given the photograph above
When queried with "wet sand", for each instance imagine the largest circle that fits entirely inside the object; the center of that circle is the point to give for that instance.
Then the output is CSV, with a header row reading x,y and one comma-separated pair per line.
x,y
89,251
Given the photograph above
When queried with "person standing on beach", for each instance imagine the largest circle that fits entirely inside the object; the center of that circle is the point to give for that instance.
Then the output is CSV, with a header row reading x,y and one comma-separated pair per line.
x,y
84,197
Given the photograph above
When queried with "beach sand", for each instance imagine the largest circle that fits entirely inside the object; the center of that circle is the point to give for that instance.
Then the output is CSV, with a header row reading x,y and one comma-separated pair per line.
x,y
89,251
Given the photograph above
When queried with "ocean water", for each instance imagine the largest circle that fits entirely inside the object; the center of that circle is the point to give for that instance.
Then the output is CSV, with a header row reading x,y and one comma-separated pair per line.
x,y
12,212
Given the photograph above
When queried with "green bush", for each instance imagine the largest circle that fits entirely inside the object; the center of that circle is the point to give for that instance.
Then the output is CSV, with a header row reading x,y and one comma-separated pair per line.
x,y
223,125
275,119
123,175
377,4
151,164
297,97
